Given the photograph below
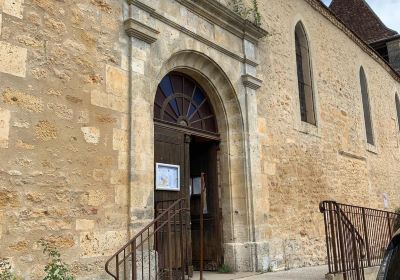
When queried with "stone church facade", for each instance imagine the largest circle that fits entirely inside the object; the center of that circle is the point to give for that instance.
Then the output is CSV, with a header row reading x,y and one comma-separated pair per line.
x,y
79,81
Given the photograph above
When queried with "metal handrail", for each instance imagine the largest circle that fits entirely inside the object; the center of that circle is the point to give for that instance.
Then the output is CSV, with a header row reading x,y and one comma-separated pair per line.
x,y
164,219
355,237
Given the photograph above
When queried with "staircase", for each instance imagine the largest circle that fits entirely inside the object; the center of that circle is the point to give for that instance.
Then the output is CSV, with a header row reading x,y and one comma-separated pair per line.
x,y
160,250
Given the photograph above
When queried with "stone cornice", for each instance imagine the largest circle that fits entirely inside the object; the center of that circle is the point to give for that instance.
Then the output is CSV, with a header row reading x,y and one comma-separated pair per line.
x,y
221,15
154,14
140,31
251,81
322,9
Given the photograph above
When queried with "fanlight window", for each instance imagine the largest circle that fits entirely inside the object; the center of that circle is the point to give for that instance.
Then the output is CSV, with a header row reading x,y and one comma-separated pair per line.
x,y
306,94
180,100
366,107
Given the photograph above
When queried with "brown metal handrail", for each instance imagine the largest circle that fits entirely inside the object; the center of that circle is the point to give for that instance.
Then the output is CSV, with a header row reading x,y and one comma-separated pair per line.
x,y
159,251
356,237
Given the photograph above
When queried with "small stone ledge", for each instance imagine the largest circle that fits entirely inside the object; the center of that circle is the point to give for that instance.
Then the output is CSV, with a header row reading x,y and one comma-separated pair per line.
x,y
140,31
372,149
308,129
351,155
251,82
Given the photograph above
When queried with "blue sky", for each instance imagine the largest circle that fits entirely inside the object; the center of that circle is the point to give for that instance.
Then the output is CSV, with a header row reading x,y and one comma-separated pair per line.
x,y
387,10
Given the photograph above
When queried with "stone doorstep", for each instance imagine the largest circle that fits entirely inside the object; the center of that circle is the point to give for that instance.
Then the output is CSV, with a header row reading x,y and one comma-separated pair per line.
x,y
207,275
370,274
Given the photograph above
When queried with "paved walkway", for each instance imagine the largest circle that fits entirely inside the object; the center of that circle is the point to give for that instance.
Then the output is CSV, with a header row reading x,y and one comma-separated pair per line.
x,y
307,273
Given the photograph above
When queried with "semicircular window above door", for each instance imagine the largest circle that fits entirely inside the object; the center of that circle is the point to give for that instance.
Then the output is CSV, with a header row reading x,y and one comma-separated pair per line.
x,y
180,100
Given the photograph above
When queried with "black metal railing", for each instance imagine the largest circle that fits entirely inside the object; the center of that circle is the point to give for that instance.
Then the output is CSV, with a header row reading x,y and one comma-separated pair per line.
x,y
160,250
356,237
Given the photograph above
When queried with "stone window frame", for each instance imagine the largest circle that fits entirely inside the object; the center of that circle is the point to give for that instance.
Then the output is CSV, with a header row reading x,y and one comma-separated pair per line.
x,y
373,148
299,125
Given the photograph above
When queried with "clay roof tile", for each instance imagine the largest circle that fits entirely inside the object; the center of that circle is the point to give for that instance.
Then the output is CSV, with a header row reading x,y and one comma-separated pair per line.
x,y
361,19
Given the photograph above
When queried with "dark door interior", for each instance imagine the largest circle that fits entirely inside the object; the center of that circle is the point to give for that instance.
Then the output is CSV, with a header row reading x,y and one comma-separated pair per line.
x,y
203,159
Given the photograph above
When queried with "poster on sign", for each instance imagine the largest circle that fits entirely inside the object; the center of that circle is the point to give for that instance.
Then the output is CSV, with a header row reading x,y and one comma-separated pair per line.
x,y
167,177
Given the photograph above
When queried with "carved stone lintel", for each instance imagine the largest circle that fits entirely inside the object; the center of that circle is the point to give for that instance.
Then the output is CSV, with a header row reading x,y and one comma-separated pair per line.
x,y
140,31
219,14
251,82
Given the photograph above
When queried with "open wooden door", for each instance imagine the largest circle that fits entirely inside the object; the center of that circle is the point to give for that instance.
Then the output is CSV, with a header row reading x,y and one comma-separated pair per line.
x,y
172,149
203,159
183,112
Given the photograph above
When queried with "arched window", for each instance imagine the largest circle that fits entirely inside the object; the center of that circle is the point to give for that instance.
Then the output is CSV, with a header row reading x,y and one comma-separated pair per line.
x,y
181,101
366,107
398,109
306,92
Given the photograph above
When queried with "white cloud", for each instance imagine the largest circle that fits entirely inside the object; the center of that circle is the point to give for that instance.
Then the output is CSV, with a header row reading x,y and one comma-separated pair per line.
x,y
387,10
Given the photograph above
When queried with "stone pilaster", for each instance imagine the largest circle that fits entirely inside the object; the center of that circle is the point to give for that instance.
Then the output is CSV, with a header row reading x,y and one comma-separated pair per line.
x,y
251,84
140,196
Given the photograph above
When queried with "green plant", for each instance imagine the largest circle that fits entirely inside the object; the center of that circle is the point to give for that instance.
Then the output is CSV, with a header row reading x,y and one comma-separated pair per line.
x,y
56,269
225,269
5,271
240,8
256,13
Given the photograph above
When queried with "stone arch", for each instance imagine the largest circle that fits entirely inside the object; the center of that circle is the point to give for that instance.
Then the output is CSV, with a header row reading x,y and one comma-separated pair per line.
x,y
223,97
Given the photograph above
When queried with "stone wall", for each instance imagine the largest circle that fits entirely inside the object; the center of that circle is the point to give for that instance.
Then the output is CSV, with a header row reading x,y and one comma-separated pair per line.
x,y
63,138
303,164
71,173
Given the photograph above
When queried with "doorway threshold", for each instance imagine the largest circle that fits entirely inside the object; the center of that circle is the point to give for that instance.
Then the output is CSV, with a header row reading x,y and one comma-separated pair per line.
x,y
209,275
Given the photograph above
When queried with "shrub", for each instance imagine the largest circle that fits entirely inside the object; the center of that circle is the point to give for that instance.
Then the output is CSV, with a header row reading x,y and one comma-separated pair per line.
x,y
251,14
225,269
5,271
56,269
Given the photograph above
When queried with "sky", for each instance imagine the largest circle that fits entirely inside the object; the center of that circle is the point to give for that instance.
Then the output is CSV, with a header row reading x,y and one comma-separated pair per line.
x,y
387,10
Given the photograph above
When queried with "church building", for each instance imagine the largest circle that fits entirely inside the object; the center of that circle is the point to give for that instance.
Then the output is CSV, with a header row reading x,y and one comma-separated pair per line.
x,y
111,108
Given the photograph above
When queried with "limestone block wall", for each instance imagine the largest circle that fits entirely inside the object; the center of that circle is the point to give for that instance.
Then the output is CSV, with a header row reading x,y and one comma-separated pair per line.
x,y
64,129
303,164
63,133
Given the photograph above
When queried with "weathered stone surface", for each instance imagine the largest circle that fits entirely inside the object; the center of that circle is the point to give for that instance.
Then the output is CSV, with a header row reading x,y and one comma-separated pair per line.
x,y
120,140
12,59
84,225
5,116
46,131
91,134
61,111
64,118
96,244
28,102
13,7
116,81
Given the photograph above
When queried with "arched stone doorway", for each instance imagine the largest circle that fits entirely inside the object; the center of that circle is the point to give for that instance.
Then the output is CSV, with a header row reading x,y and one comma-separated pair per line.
x,y
186,138
234,198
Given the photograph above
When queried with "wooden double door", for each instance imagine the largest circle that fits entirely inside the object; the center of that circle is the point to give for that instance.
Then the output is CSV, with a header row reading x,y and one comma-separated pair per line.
x,y
194,155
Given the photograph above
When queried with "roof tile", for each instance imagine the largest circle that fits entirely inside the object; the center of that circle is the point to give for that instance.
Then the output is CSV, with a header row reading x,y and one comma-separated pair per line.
x,y
361,19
